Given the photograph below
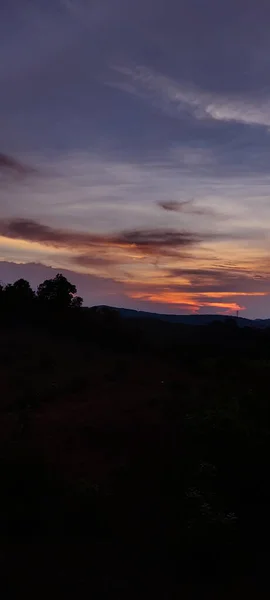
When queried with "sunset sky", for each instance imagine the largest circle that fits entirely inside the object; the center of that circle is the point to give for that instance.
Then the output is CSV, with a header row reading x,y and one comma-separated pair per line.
x,y
135,151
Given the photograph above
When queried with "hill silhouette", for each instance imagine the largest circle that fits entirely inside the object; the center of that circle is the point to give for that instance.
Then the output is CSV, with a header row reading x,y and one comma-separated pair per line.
x,y
192,319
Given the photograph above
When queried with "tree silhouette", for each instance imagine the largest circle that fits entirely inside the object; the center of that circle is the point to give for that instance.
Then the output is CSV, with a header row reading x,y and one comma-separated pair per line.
x,y
76,302
18,295
57,293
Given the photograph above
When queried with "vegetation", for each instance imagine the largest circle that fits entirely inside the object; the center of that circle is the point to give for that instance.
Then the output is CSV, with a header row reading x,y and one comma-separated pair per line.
x,y
134,455
57,294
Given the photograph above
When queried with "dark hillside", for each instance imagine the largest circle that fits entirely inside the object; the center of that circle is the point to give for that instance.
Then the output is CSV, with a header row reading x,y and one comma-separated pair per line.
x,y
134,452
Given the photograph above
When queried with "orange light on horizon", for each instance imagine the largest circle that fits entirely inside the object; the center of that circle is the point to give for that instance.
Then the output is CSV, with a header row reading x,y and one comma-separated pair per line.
x,y
231,294
191,301
233,307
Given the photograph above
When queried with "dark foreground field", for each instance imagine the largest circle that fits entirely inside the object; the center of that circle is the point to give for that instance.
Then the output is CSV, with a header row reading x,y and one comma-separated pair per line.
x,y
134,464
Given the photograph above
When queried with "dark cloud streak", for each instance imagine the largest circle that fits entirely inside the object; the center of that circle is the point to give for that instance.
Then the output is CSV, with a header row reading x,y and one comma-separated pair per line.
x,y
148,240
227,279
187,206
11,165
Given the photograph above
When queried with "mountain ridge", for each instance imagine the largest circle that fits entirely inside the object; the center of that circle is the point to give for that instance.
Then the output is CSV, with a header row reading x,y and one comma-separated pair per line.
x,y
190,319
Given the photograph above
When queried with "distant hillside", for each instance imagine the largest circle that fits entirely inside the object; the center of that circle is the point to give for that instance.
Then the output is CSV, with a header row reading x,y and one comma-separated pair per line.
x,y
127,313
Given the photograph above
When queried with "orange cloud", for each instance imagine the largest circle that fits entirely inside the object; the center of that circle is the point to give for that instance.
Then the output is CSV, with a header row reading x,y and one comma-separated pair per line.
x,y
190,301
231,294
229,307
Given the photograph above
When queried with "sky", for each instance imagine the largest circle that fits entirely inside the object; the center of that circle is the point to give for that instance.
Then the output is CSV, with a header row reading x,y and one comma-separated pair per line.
x,y
135,147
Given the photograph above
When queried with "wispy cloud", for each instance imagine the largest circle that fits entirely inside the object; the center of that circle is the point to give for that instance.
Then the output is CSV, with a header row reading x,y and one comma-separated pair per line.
x,y
147,240
189,207
86,188
178,98
80,188
11,166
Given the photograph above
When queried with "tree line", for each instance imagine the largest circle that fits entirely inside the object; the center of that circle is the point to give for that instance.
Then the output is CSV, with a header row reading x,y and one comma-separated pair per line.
x,y
56,294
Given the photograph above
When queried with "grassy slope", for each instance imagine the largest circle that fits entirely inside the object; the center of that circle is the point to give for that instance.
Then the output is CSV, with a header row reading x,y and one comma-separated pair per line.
x,y
123,469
